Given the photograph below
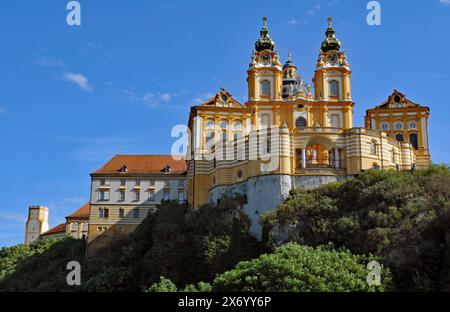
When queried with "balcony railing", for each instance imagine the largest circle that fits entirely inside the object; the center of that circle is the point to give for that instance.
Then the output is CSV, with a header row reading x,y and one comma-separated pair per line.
x,y
319,130
320,165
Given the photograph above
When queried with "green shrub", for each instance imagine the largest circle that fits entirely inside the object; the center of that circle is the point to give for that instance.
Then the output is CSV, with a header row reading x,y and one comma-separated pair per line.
x,y
295,268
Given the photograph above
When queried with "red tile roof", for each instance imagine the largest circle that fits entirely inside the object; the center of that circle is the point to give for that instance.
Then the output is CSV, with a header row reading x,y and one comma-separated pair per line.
x,y
59,229
143,164
82,213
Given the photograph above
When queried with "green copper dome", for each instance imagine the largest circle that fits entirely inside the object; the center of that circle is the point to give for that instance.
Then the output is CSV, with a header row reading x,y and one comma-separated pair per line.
x,y
264,42
331,43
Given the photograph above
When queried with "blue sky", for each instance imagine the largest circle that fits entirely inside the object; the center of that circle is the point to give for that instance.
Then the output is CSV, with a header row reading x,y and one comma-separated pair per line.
x,y
72,97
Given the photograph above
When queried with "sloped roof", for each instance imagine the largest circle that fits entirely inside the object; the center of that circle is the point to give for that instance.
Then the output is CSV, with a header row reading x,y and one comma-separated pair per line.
x,y
397,97
222,98
82,213
142,164
59,229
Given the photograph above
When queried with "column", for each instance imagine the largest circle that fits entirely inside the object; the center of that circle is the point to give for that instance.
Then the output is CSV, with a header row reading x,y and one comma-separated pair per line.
x,y
336,157
304,158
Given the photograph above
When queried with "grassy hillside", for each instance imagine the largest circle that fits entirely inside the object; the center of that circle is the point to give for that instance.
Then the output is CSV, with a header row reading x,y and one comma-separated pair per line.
x,y
400,219
403,218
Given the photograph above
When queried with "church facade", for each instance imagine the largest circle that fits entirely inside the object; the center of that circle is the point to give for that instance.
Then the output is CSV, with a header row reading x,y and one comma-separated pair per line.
x,y
290,134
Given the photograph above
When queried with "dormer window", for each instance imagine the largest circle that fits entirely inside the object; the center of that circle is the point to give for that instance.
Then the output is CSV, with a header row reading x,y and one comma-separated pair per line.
x,y
167,169
123,169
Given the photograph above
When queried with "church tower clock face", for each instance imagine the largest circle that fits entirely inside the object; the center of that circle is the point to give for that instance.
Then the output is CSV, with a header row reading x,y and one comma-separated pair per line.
x,y
332,59
266,59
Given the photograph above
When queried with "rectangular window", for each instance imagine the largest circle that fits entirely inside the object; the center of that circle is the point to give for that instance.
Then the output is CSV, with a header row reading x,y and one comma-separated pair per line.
x,y
103,196
152,183
106,213
137,196
136,213
166,195
138,182
151,195
122,195
181,197
122,181
101,212
167,184
102,181
121,213
181,183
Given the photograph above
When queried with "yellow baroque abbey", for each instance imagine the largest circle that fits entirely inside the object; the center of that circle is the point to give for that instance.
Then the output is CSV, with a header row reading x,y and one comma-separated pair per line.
x,y
315,141
288,135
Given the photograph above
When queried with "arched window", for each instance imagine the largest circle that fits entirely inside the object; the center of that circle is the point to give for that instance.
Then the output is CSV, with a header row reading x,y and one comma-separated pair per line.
x,y
373,148
393,160
413,140
300,123
265,87
210,124
224,124
399,137
334,88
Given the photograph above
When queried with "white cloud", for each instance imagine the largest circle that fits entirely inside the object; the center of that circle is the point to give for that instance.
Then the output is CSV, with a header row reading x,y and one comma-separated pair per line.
x,y
314,9
79,79
446,2
150,99
292,22
2,110
50,62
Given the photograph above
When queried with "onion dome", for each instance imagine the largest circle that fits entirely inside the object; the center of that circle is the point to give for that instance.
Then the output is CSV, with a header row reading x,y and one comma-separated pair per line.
x,y
264,42
331,43
289,62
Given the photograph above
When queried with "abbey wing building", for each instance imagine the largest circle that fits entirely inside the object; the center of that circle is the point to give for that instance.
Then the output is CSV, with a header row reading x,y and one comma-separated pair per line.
x,y
288,135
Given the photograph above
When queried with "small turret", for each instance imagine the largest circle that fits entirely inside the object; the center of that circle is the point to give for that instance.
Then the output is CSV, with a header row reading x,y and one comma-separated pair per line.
x,y
37,223
290,78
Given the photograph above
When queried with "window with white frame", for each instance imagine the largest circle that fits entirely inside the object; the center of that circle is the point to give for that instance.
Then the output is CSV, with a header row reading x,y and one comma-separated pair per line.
x,y
373,148
265,87
334,88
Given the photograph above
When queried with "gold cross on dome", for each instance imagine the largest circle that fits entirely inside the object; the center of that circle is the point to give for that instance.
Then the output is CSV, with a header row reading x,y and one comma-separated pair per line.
x,y
330,20
264,22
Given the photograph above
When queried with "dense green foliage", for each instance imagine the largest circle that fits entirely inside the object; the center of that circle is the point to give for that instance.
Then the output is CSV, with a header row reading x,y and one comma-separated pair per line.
x,y
183,245
40,266
296,268
403,218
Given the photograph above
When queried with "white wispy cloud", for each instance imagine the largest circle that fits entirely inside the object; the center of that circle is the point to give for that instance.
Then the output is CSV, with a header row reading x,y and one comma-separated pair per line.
x,y
314,9
79,79
436,74
2,110
446,2
201,98
150,99
50,61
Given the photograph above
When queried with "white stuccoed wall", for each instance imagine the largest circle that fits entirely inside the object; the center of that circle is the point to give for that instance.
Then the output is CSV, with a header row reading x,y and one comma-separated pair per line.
x,y
267,192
